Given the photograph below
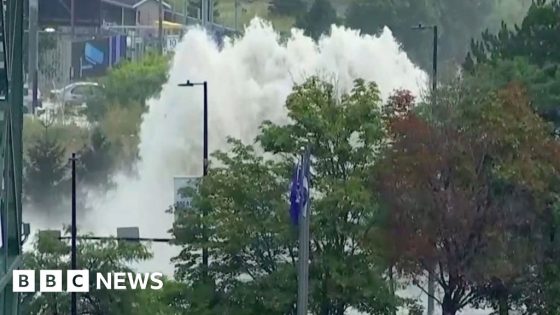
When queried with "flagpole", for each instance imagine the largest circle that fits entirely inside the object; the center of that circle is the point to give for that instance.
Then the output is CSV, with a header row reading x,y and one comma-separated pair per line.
x,y
303,259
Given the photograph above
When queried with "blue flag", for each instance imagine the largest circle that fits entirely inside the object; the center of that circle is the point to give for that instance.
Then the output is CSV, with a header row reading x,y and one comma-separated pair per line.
x,y
299,191
295,196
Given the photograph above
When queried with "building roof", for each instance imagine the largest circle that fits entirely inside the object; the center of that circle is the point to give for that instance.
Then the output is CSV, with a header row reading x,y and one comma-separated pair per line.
x,y
132,4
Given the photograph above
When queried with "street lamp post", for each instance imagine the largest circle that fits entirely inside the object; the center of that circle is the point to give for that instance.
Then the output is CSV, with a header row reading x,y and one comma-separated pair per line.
x,y
204,160
431,280
33,42
434,56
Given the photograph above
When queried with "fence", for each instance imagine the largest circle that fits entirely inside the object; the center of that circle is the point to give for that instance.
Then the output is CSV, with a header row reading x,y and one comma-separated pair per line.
x,y
55,48
55,61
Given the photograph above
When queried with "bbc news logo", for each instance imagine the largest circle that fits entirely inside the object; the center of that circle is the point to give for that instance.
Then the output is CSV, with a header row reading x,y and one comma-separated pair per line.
x,y
78,281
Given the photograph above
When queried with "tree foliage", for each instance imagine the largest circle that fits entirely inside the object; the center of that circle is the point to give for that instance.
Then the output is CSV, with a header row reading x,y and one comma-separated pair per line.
x,y
543,85
97,161
462,192
96,256
45,172
135,82
458,22
525,53
111,143
318,20
535,39
252,246
287,7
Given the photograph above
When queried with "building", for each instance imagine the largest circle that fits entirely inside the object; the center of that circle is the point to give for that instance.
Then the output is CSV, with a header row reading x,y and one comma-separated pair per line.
x,y
133,12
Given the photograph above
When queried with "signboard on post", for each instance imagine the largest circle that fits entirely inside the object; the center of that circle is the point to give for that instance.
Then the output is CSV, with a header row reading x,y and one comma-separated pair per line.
x,y
179,185
128,233
171,42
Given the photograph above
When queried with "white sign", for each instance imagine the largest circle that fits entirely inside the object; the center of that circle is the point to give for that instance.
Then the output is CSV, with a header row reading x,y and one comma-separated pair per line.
x,y
171,42
179,183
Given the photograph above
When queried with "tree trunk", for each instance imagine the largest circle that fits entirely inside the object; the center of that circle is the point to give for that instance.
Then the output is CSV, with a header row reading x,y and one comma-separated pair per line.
x,y
392,285
503,306
448,307
449,311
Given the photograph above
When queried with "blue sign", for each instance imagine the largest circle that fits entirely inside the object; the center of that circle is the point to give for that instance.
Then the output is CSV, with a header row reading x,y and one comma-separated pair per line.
x,y
93,57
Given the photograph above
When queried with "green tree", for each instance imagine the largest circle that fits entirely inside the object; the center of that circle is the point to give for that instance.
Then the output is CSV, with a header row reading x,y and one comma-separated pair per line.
x,y
96,106
318,19
458,22
541,82
287,7
97,256
45,172
525,53
171,300
508,11
543,85
118,111
121,127
536,39
252,245
97,161
135,82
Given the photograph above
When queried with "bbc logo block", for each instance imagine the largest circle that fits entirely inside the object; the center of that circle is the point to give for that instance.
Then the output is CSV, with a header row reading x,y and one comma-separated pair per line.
x,y
24,280
78,281
50,281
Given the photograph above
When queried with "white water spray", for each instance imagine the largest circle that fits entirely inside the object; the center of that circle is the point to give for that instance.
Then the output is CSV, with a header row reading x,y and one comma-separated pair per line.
x,y
248,82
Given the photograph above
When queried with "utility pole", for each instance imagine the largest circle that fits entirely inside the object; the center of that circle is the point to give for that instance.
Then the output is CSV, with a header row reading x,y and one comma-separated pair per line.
x,y
186,12
434,64
431,277
211,11
73,18
204,14
74,262
304,220
160,26
33,50
236,15
205,173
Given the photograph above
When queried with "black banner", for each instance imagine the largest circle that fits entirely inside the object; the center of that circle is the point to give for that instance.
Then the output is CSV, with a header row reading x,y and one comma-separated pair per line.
x,y
58,13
